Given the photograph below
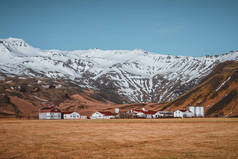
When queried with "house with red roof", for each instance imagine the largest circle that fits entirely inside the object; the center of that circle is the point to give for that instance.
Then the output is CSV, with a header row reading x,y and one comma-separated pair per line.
x,y
163,114
149,114
102,115
49,113
142,113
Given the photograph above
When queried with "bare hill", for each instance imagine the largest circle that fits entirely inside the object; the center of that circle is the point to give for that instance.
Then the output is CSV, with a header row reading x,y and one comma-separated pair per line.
x,y
217,92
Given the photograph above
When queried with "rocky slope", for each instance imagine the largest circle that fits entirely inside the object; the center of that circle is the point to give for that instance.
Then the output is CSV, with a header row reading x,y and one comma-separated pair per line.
x,y
120,76
24,96
217,92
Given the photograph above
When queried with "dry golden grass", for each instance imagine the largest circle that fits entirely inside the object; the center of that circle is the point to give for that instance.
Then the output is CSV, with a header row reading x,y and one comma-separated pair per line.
x,y
138,139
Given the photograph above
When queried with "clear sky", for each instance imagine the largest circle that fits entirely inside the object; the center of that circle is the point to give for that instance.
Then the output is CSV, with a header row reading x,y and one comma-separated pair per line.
x,y
179,27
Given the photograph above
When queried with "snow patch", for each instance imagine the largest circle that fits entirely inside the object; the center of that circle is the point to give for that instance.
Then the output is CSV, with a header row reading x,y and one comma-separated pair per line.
x,y
223,84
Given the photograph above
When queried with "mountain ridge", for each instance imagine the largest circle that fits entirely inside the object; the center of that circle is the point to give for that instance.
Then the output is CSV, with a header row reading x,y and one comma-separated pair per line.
x,y
130,76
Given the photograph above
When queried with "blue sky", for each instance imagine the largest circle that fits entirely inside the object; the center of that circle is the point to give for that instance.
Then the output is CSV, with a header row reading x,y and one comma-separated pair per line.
x,y
179,27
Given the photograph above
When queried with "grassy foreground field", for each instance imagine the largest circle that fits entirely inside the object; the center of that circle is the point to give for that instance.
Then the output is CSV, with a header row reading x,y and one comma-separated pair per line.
x,y
128,138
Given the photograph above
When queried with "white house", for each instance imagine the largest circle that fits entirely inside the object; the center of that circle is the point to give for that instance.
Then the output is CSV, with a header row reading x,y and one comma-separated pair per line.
x,y
163,114
140,114
179,113
143,113
71,115
49,113
149,114
102,115
183,114
158,115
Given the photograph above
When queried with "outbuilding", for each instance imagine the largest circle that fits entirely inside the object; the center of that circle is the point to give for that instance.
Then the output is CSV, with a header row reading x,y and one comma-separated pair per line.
x,y
163,114
49,113
83,117
183,114
179,113
71,115
143,113
102,115
149,114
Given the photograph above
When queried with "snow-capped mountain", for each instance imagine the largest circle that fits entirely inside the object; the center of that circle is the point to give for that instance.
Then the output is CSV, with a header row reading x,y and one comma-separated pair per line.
x,y
131,75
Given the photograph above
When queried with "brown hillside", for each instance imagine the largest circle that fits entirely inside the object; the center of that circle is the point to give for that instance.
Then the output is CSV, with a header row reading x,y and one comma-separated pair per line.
x,y
23,97
218,93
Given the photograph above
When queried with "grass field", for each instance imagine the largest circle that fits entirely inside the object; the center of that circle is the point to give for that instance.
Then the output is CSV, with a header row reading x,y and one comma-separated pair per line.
x,y
125,138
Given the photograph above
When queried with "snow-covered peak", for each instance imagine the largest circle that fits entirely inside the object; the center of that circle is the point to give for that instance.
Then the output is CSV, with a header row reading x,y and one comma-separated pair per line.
x,y
137,74
15,42
18,47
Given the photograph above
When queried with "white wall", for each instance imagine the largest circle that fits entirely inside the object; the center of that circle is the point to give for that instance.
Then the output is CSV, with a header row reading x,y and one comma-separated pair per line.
x,y
197,110
73,115
83,117
188,114
140,115
192,109
178,114
157,115
149,116
50,115
98,115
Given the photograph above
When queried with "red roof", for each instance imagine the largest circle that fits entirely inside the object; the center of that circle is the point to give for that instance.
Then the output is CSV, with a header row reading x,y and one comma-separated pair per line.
x,y
49,109
146,112
106,113
184,110
67,112
149,112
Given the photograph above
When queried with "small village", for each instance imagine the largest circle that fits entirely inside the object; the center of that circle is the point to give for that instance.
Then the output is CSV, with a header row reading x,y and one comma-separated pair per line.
x,y
48,113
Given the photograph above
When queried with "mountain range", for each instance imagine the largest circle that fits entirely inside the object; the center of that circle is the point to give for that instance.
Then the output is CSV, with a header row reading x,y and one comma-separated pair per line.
x,y
109,77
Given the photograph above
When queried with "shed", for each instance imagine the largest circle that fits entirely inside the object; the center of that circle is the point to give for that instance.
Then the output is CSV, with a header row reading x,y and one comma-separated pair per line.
x,y
183,114
49,113
71,115
102,115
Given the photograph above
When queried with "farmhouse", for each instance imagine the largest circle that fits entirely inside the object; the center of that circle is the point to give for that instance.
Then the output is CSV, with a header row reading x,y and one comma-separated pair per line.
x,y
149,114
71,115
183,114
163,114
139,113
158,115
142,113
49,113
102,115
